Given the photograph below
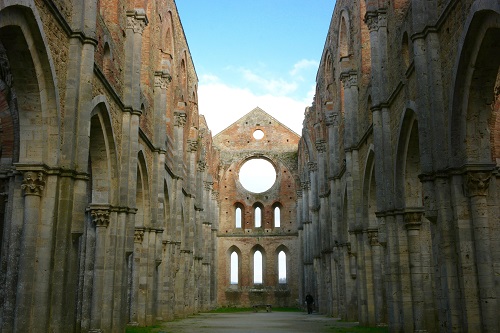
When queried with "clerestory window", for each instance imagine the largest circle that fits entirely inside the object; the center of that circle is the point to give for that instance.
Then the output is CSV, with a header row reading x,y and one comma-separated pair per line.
x,y
237,217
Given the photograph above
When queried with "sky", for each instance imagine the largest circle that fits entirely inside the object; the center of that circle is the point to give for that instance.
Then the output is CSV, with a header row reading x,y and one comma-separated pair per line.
x,y
255,53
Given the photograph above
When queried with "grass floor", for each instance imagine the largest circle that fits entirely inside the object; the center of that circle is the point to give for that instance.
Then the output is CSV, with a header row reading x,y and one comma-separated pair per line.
x,y
333,329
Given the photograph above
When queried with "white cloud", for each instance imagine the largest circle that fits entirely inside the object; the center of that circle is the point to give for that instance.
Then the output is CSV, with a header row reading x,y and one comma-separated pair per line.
x,y
303,64
222,105
272,86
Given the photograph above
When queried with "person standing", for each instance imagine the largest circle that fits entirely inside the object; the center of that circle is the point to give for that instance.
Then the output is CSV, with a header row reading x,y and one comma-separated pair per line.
x,y
310,303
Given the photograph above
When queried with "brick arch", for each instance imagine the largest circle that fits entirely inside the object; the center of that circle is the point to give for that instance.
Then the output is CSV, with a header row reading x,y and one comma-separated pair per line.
x,y
475,105
229,252
288,261
33,80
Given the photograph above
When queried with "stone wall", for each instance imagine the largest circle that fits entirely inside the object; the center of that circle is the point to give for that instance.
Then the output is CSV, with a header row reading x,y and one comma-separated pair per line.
x,y
398,164
107,170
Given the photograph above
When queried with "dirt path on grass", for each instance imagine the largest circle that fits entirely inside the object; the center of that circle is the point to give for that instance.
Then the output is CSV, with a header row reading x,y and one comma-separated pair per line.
x,y
254,322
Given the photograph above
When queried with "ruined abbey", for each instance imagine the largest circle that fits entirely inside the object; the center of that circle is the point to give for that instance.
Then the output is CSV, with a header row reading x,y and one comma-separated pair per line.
x,y
120,208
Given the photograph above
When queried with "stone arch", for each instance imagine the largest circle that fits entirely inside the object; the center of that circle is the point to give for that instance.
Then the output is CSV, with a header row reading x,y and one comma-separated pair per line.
x,y
369,191
344,40
343,226
143,214
405,51
167,216
102,155
475,107
32,76
408,187
183,77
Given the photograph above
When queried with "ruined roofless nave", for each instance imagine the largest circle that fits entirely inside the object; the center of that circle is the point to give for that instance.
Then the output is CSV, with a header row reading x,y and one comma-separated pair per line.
x,y
120,208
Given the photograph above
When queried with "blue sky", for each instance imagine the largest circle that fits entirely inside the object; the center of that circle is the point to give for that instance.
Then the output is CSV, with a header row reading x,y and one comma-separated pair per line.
x,y
250,53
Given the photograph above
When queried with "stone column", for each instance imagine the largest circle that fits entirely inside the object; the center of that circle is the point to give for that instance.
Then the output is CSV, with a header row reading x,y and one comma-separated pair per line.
x,y
33,185
100,218
180,118
413,223
134,297
477,184
378,279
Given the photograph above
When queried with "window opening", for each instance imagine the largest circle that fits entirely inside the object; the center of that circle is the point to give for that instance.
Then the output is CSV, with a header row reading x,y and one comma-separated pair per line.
x,y
277,217
258,134
258,217
234,268
282,267
257,175
238,217
257,267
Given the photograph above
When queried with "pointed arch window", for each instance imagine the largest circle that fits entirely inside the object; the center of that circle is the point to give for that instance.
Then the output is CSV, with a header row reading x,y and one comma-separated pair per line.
x,y
257,267
277,217
234,268
238,216
258,217
282,267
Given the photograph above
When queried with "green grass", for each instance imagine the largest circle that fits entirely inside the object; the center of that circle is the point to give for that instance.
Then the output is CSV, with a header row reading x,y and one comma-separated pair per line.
x,y
230,310
235,309
359,329
148,329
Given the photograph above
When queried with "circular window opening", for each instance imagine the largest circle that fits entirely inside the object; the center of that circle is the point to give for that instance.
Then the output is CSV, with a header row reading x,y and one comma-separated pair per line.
x,y
258,134
257,175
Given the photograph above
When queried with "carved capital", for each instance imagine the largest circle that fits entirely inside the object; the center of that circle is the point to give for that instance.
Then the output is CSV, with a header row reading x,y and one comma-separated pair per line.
x,y
192,146
312,166
208,186
33,183
382,19
137,20
138,235
215,195
477,183
413,220
180,119
299,194
331,119
305,185
100,217
162,79
321,146
371,20
373,237
349,79
202,166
